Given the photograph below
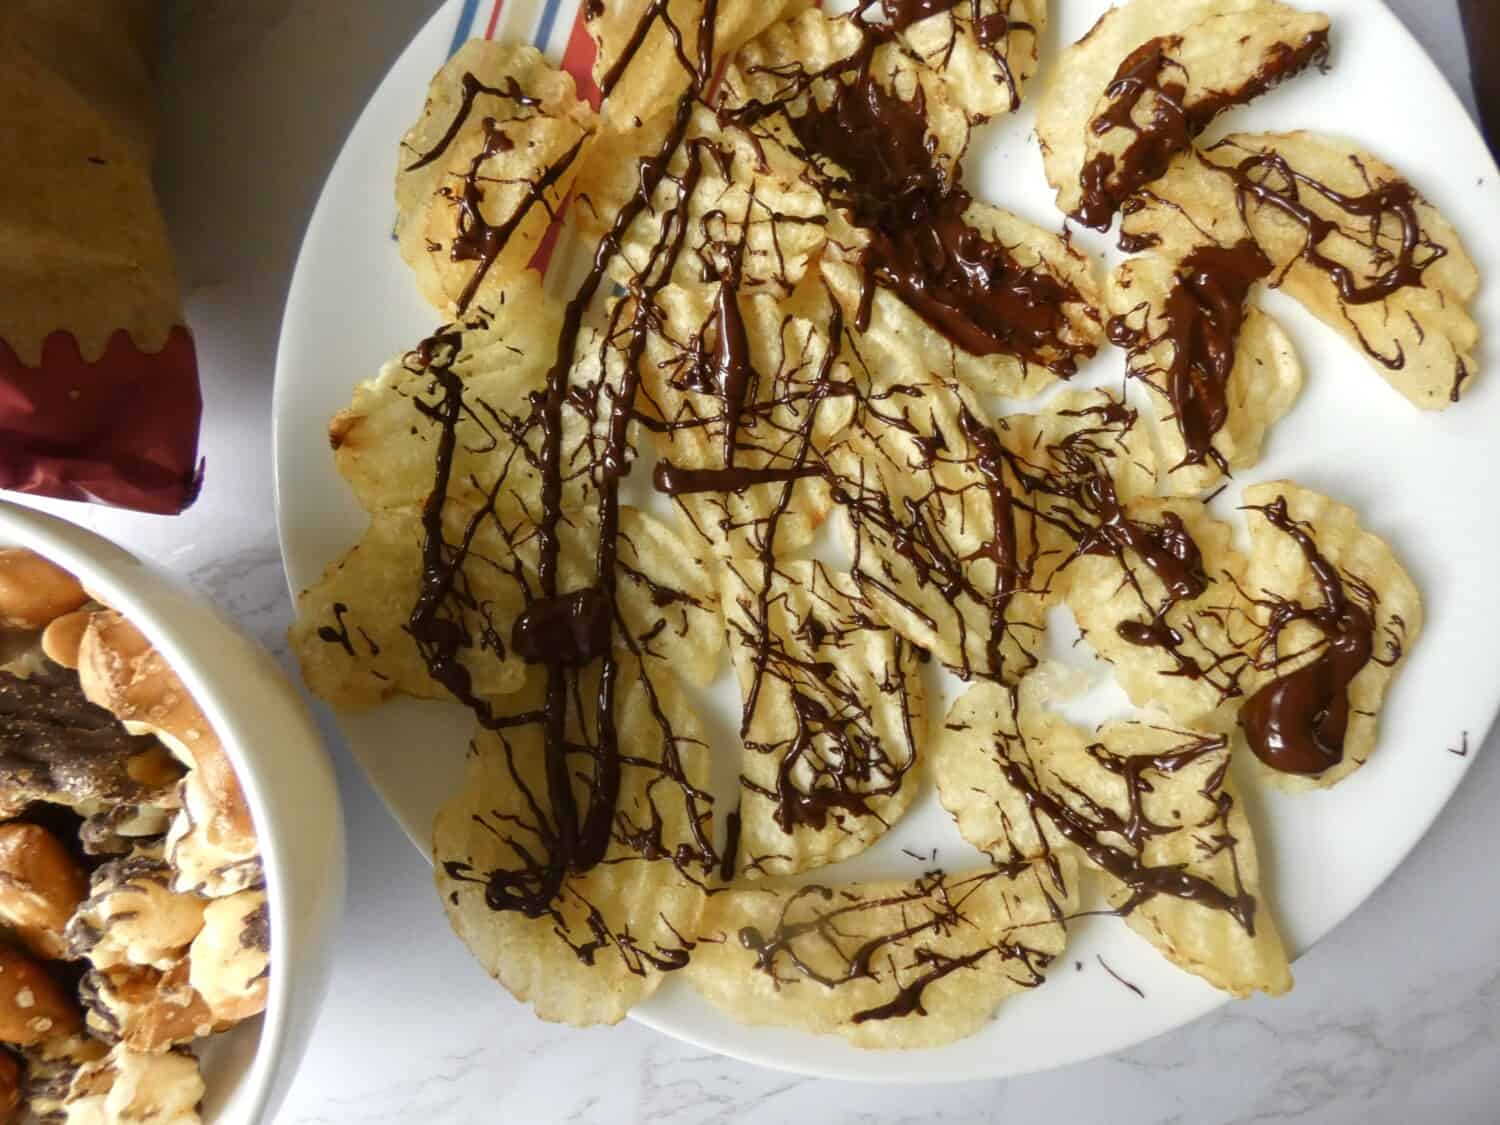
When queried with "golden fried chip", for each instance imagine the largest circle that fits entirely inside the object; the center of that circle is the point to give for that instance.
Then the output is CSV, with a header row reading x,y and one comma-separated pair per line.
x,y
1335,615
1354,241
1155,590
476,381
727,207
351,631
1056,320
740,396
885,965
804,64
484,169
574,877
984,52
1151,75
832,721
648,50
943,546
1149,806
1220,371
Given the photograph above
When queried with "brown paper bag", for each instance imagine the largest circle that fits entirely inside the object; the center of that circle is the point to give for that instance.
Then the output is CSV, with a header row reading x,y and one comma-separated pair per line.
x,y
99,394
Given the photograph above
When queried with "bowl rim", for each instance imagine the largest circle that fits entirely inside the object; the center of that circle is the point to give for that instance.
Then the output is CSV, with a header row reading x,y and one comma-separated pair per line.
x,y
141,590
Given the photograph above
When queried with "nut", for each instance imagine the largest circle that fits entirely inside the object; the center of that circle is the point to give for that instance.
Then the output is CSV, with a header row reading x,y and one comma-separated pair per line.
x,y
40,887
33,591
63,635
32,1006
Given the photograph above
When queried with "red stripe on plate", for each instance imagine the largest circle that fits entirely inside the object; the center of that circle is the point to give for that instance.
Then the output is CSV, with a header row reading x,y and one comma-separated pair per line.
x,y
489,32
578,59
548,245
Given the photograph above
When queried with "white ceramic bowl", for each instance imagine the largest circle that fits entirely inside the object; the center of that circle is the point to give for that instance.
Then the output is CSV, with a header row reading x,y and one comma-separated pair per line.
x,y
287,778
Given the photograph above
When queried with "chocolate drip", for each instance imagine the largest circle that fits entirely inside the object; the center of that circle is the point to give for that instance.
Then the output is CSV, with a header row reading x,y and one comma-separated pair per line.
x,y
969,288
1297,722
1204,315
1107,180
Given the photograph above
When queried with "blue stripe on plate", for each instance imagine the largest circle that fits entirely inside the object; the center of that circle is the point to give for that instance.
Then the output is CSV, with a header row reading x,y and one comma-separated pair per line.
x,y
465,29
544,26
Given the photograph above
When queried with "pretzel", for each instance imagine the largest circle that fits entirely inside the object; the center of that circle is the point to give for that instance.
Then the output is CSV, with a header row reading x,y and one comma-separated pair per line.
x,y
40,887
33,591
32,1006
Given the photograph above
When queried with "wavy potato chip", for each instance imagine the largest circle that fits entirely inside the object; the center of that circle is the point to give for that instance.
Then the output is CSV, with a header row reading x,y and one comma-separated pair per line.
x,y
802,64
740,396
648,50
985,52
728,207
350,634
1335,615
352,631
1150,76
833,716
885,965
1364,252
582,935
1149,806
1160,599
1220,371
386,440
942,547
484,170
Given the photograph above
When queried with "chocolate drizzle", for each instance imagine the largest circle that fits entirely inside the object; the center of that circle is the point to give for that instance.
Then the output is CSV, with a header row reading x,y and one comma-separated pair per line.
x,y
1204,314
1297,722
1269,179
1108,179
933,908
1087,827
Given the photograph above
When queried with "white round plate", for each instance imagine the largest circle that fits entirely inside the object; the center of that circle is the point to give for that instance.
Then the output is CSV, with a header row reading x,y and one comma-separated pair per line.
x,y
1427,482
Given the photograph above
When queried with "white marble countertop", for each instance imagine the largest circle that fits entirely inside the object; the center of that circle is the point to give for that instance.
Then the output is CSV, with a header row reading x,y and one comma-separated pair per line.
x,y
1396,1015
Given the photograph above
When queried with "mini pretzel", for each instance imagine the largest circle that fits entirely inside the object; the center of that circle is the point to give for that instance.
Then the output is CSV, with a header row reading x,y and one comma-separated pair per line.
x,y
63,635
40,887
145,1009
213,843
32,1006
33,591
231,956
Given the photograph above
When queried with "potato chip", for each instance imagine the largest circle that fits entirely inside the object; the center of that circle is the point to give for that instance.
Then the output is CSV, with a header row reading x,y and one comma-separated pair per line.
x,y
728,209
1156,592
803,64
832,721
1151,75
648,50
984,52
885,965
740,396
575,876
1058,322
944,547
1149,806
1220,371
352,632
1364,252
351,635
1335,616
483,171
386,440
